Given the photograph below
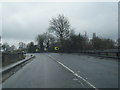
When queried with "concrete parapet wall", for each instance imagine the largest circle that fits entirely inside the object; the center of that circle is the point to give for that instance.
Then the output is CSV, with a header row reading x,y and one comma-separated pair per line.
x,y
9,58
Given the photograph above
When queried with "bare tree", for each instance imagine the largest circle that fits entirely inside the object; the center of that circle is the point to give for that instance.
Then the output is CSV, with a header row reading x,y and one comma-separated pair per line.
x,y
12,48
5,47
45,40
31,47
40,42
49,39
60,26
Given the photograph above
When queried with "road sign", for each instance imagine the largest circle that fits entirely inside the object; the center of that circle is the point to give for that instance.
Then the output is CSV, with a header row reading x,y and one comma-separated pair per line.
x,y
56,48
37,50
45,49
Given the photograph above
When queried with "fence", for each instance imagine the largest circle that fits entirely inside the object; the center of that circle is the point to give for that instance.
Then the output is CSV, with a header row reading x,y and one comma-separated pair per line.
x,y
112,53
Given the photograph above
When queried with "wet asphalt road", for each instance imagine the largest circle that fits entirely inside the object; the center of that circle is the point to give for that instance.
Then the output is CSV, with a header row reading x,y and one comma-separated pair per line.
x,y
44,72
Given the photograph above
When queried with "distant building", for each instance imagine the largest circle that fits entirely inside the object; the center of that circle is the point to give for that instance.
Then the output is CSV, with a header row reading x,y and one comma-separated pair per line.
x,y
94,35
85,34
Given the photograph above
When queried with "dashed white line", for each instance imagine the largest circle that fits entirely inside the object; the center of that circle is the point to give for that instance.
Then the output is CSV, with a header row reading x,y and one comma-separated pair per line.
x,y
75,74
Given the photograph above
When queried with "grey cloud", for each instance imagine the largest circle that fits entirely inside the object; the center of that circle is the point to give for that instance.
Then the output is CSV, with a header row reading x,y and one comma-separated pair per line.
x,y
23,21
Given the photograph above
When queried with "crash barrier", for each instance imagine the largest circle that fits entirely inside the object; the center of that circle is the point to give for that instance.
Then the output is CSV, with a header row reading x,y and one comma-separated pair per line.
x,y
112,53
10,67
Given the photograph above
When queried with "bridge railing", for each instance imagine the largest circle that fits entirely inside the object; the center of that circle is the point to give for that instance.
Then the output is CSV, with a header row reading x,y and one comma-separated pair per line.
x,y
112,53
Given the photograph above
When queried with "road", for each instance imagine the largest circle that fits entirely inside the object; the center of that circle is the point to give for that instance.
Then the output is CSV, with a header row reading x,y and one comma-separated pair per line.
x,y
52,70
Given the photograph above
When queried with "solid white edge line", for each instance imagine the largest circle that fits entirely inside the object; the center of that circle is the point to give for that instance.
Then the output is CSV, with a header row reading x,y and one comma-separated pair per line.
x,y
73,72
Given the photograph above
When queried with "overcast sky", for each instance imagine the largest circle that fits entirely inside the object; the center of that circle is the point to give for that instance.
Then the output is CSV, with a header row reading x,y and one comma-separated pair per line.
x,y
24,21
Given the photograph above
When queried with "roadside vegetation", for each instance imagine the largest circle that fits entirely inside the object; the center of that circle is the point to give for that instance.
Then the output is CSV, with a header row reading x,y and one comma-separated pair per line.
x,y
60,34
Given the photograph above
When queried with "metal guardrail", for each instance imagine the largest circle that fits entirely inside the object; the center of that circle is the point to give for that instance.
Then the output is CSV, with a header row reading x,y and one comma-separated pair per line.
x,y
111,53
105,53
15,65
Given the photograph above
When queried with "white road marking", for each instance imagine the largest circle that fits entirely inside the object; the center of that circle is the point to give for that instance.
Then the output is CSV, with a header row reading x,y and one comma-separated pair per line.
x,y
75,79
78,71
82,73
75,74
